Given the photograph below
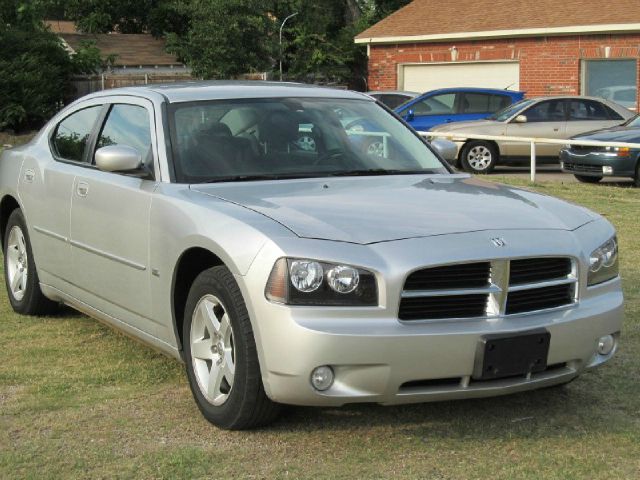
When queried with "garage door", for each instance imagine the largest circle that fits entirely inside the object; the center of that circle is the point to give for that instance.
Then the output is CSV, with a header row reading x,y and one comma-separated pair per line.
x,y
424,77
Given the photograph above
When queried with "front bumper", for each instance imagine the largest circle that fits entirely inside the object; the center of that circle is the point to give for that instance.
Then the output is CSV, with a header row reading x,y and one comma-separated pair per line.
x,y
592,163
377,358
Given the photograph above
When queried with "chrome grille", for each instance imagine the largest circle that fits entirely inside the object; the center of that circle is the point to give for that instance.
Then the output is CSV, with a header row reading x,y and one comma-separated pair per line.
x,y
489,289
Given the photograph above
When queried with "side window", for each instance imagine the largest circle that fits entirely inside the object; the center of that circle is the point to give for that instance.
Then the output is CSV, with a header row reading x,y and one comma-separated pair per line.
x,y
498,102
613,115
72,133
582,110
437,105
475,103
392,101
127,125
549,111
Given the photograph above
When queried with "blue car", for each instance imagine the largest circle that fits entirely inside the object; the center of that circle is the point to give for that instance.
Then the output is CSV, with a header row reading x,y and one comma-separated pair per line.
x,y
448,105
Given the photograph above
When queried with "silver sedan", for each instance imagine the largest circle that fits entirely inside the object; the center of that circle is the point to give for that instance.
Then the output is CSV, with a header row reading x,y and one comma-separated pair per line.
x,y
190,217
543,117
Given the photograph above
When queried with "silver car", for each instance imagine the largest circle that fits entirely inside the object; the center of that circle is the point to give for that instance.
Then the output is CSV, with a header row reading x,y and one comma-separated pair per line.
x,y
544,117
188,217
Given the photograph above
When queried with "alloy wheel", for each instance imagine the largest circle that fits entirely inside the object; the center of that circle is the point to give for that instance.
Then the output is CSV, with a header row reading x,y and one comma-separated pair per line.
x,y
17,263
212,349
479,158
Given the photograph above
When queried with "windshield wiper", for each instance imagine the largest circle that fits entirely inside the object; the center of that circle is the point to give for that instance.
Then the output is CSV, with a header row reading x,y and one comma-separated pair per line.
x,y
378,171
288,176
252,178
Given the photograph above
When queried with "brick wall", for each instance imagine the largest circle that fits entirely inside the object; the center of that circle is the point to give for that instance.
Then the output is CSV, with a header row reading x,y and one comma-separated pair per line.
x,y
548,65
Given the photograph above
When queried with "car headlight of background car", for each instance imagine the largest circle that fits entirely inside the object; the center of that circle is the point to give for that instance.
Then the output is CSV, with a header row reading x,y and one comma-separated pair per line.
x,y
299,281
621,151
603,262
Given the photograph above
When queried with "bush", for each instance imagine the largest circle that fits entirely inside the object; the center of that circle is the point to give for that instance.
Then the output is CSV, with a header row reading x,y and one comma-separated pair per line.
x,y
34,77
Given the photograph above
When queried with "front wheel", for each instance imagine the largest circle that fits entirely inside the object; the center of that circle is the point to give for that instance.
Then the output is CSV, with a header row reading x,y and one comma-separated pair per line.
x,y
220,354
20,275
636,178
479,157
587,179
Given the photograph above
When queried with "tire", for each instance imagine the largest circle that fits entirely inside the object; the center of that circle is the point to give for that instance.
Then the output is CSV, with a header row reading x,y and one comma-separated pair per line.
x,y
636,178
217,337
479,157
587,179
20,275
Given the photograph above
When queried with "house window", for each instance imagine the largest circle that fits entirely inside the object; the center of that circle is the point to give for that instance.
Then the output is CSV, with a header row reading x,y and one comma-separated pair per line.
x,y
614,80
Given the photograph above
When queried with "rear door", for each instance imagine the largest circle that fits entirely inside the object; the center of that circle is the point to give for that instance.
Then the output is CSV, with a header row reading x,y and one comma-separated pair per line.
x,y
476,106
45,189
587,115
110,220
545,119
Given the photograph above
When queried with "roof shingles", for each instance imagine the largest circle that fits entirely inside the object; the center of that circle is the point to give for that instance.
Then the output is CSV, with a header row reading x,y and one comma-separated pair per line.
x,y
433,17
130,50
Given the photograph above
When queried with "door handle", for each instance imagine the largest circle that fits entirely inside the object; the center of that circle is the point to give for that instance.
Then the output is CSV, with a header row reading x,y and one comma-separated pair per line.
x,y
29,175
556,129
82,189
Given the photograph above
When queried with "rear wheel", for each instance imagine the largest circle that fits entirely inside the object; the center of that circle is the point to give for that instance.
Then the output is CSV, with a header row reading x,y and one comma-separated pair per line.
x,y
479,157
587,179
636,178
21,278
220,354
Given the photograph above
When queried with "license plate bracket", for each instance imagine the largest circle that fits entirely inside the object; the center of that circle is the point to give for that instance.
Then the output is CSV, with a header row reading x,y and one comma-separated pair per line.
x,y
508,355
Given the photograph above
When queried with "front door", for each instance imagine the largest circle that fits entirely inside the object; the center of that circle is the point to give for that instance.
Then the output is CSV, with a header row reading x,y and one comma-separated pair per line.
x,y
546,119
110,222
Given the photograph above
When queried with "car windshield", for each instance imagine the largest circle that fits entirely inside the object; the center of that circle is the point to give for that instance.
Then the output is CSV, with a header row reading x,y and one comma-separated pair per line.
x,y
257,139
506,113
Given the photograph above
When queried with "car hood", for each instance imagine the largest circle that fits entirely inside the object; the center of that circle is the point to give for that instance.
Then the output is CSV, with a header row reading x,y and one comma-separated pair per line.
x,y
615,134
368,210
471,125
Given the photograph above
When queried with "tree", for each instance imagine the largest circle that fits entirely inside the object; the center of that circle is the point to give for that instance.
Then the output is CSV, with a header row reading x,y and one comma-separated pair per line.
x,y
226,38
35,71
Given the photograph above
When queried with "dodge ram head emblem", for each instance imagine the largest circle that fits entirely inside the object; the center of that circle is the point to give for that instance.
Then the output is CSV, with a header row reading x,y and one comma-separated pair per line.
x,y
499,242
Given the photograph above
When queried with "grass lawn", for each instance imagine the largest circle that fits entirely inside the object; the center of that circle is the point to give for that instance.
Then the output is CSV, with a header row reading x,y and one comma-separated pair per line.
x,y
78,400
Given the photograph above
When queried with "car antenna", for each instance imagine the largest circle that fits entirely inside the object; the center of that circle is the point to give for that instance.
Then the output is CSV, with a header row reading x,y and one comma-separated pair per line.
x,y
509,86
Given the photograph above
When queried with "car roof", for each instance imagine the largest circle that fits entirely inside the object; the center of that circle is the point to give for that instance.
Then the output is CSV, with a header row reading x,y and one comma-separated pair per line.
x,y
393,92
227,90
475,89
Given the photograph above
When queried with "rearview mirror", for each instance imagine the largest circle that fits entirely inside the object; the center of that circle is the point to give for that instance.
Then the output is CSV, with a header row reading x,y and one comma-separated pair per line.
x,y
118,158
410,115
446,148
520,119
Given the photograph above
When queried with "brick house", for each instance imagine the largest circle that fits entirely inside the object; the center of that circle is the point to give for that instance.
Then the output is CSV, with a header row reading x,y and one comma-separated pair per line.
x,y
543,47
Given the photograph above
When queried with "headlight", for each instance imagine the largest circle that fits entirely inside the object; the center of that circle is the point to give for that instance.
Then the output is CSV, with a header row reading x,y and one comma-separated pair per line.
x,y
297,281
603,262
621,151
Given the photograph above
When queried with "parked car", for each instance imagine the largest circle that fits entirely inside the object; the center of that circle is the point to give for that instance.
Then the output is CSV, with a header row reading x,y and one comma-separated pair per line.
x,y
454,105
591,164
544,117
392,98
187,216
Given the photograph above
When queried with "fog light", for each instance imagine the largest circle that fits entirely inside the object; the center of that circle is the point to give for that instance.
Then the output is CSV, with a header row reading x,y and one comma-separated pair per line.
x,y
607,170
322,378
606,344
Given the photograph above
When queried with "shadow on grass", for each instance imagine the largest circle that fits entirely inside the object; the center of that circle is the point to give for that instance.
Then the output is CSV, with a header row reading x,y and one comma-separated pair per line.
x,y
569,410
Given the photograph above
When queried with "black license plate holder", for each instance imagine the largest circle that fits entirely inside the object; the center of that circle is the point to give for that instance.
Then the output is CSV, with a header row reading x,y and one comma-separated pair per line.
x,y
509,355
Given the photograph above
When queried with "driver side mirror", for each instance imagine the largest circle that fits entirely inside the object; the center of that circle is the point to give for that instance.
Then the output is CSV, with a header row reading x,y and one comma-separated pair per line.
x,y
410,115
118,158
520,119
